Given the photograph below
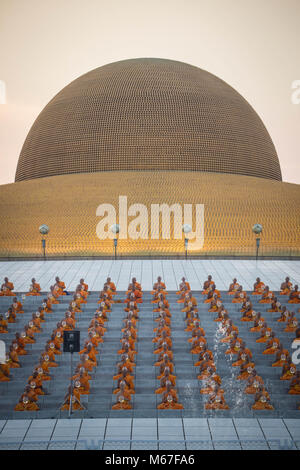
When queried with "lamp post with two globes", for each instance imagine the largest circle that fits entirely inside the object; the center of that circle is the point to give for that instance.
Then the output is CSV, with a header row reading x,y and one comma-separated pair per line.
x,y
186,228
44,230
115,228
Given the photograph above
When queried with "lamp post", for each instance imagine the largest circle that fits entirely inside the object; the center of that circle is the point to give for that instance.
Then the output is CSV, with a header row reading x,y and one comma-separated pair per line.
x,y
257,229
186,228
44,230
115,229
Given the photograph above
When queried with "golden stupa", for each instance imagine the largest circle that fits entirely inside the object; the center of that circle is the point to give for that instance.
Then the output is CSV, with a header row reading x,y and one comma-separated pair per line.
x,y
157,132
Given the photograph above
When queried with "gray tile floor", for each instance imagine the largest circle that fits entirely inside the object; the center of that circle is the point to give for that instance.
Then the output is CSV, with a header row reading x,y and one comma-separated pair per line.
x,y
196,271
152,434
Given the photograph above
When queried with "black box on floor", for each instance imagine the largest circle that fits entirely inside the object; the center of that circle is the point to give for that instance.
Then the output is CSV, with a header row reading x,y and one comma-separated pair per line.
x,y
71,341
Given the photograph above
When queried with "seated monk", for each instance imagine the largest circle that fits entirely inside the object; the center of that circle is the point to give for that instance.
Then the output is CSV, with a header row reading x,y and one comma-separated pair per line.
x,y
166,377
222,313
165,351
43,369
82,383
209,384
125,363
246,369
95,336
233,287
207,368
207,285
98,329
75,305
34,288
3,325
265,334
122,399
127,379
7,288
26,403
247,310
111,286
136,284
286,287
165,364
53,295
126,349
244,355
159,296
197,343
54,344
28,334
169,399
74,396
40,314
164,339
253,383
282,356
189,303
13,358
284,314
80,371
215,304
205,355
231,332
136,294
91,352
191,320
295,384
20,345
184,287
69,321
131,304
288,370
127,339
158,286
130,317
81,294
59,332
159,331
262,400
294,297
131,329
275,306
61,286
47,305
17,306
259,323
84,286
49,357
234,345
36,384
216,400
292,323
213,293
106,295
240,296
273,345
163,316
267,296
4,371
196,328
163,305
36,327
86,363
258,287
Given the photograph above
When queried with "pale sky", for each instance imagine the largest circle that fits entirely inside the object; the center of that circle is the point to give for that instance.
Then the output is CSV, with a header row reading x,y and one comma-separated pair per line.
x,y
253,46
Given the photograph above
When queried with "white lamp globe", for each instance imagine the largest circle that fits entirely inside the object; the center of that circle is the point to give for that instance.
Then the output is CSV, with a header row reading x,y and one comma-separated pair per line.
x,y
115,228
186,228
257,229
44,229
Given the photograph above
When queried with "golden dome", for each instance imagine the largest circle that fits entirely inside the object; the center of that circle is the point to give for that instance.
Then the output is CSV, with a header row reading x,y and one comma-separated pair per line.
x,y
148,114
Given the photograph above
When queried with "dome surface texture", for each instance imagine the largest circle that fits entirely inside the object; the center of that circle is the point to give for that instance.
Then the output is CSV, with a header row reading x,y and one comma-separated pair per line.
x,y
148,114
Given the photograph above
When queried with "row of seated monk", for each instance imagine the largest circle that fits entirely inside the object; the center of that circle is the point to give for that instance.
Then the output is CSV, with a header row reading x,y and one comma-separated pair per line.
x,y
134,296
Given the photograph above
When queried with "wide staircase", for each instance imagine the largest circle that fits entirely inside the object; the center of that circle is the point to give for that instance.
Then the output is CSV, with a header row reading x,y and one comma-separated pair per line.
x,y
144,402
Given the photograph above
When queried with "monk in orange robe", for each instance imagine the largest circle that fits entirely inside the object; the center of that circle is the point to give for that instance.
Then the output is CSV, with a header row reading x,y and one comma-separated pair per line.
x,y
122,399
158,286
295,384
216,400
288,370
258,287
207,285
127,379
13,358
17,306
19,341
265,334
54,344
284,315
246,369
292,323
164,339
111,286
233,287
239,296
166,377
267,296
262,400
82,384
3,325
165,351
84,286
36,384
34,288
259,323
253,383
275,306
4,372
286,287
184,287
7,288
294,297
169,399
61,286
26,404
244,355
47,306
247,309
213,293
197,343
281,358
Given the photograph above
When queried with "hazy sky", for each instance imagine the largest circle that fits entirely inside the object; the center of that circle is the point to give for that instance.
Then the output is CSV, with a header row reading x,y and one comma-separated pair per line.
x,y
252,45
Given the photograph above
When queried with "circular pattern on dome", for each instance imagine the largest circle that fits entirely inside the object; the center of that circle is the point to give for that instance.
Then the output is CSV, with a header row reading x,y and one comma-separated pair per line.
x,y
148,114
